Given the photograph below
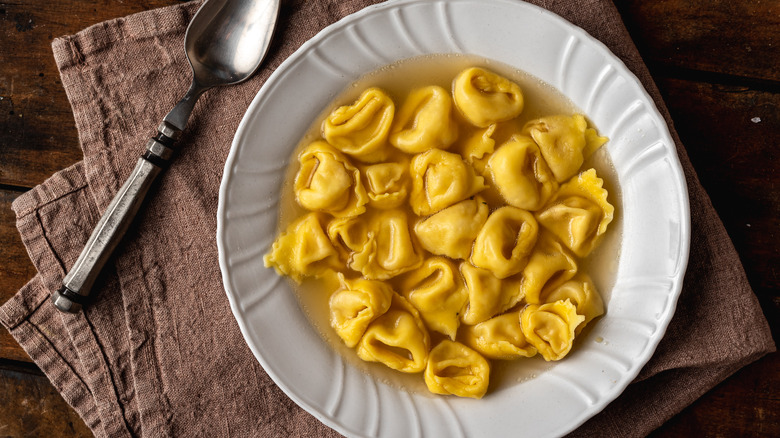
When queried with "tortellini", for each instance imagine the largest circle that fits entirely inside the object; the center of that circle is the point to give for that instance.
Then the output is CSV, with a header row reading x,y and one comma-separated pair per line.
x,y
397,339
440,179
521,174
356,305
500,337
505,241
488,295
380,246
303,249
447,234
361,129
327,181
452,231
549,266
550,327
484,97
479,144
583,294
437,291
565,142
348,236
425,121
579,213
454,368
387,184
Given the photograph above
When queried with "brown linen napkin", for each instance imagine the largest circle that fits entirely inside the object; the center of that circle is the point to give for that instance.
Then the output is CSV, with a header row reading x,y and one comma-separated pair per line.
x,y
160,354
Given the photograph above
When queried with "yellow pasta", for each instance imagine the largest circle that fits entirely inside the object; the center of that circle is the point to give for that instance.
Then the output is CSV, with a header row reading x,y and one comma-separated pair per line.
x,y
488,295
440,179
579,213
500,338
521,174
437,291
424,121
484,97
387,184
565,142
328,182
303,250
549,266
479,144
348,236
505,241
451,232
454,368
361,129
397,339
355,305
550,328
583,294
379,245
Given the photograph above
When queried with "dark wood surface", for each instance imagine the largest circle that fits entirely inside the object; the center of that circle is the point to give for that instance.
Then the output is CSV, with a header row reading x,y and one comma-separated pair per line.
x,y
718,68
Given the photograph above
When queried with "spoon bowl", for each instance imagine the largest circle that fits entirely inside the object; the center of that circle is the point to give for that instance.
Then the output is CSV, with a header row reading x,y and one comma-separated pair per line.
x,y
225,43
222,42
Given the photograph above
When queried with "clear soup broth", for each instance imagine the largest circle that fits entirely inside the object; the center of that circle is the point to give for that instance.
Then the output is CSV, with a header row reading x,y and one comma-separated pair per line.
x,y
541,99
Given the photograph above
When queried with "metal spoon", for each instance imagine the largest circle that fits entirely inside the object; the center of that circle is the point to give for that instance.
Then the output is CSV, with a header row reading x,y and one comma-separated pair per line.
x,y
225,44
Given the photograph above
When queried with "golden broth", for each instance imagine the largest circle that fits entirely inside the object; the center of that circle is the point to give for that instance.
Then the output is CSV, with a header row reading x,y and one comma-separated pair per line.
x,y
397,80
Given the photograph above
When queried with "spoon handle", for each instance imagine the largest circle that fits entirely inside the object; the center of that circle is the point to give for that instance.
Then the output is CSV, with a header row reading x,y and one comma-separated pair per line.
x,y
109,230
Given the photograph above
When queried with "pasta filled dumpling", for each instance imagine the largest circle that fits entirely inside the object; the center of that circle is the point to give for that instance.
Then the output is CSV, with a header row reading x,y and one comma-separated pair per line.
x,y
355,305
565,142
437,291
378,244
348,236
484,97
361,129
397,339
500,337
479,144
440,179
521,174
549,266
451,232
424,121
505,241
387,184
579,213
456,369
550,328
303,249
488,295
583,294
327,181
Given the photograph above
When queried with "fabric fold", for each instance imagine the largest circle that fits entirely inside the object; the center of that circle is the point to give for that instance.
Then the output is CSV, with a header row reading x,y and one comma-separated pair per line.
x,y
42,333
159,352
94,347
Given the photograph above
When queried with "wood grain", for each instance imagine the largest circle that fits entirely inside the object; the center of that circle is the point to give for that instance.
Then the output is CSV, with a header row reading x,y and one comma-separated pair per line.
x,y
31,407
731,134
32,100
16,270
745,405
738,38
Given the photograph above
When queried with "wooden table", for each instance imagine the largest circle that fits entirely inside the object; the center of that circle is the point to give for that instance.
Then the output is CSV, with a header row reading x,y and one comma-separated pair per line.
x,y
716,63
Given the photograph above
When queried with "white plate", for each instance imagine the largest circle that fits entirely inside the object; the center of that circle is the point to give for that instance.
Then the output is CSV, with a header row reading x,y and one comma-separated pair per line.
x,y
655,214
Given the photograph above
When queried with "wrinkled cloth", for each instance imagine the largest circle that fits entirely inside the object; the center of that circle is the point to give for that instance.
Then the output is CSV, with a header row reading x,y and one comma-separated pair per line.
x,y
160,353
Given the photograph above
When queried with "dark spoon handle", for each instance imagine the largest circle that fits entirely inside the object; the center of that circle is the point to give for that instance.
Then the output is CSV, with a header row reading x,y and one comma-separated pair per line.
x,y
76,286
